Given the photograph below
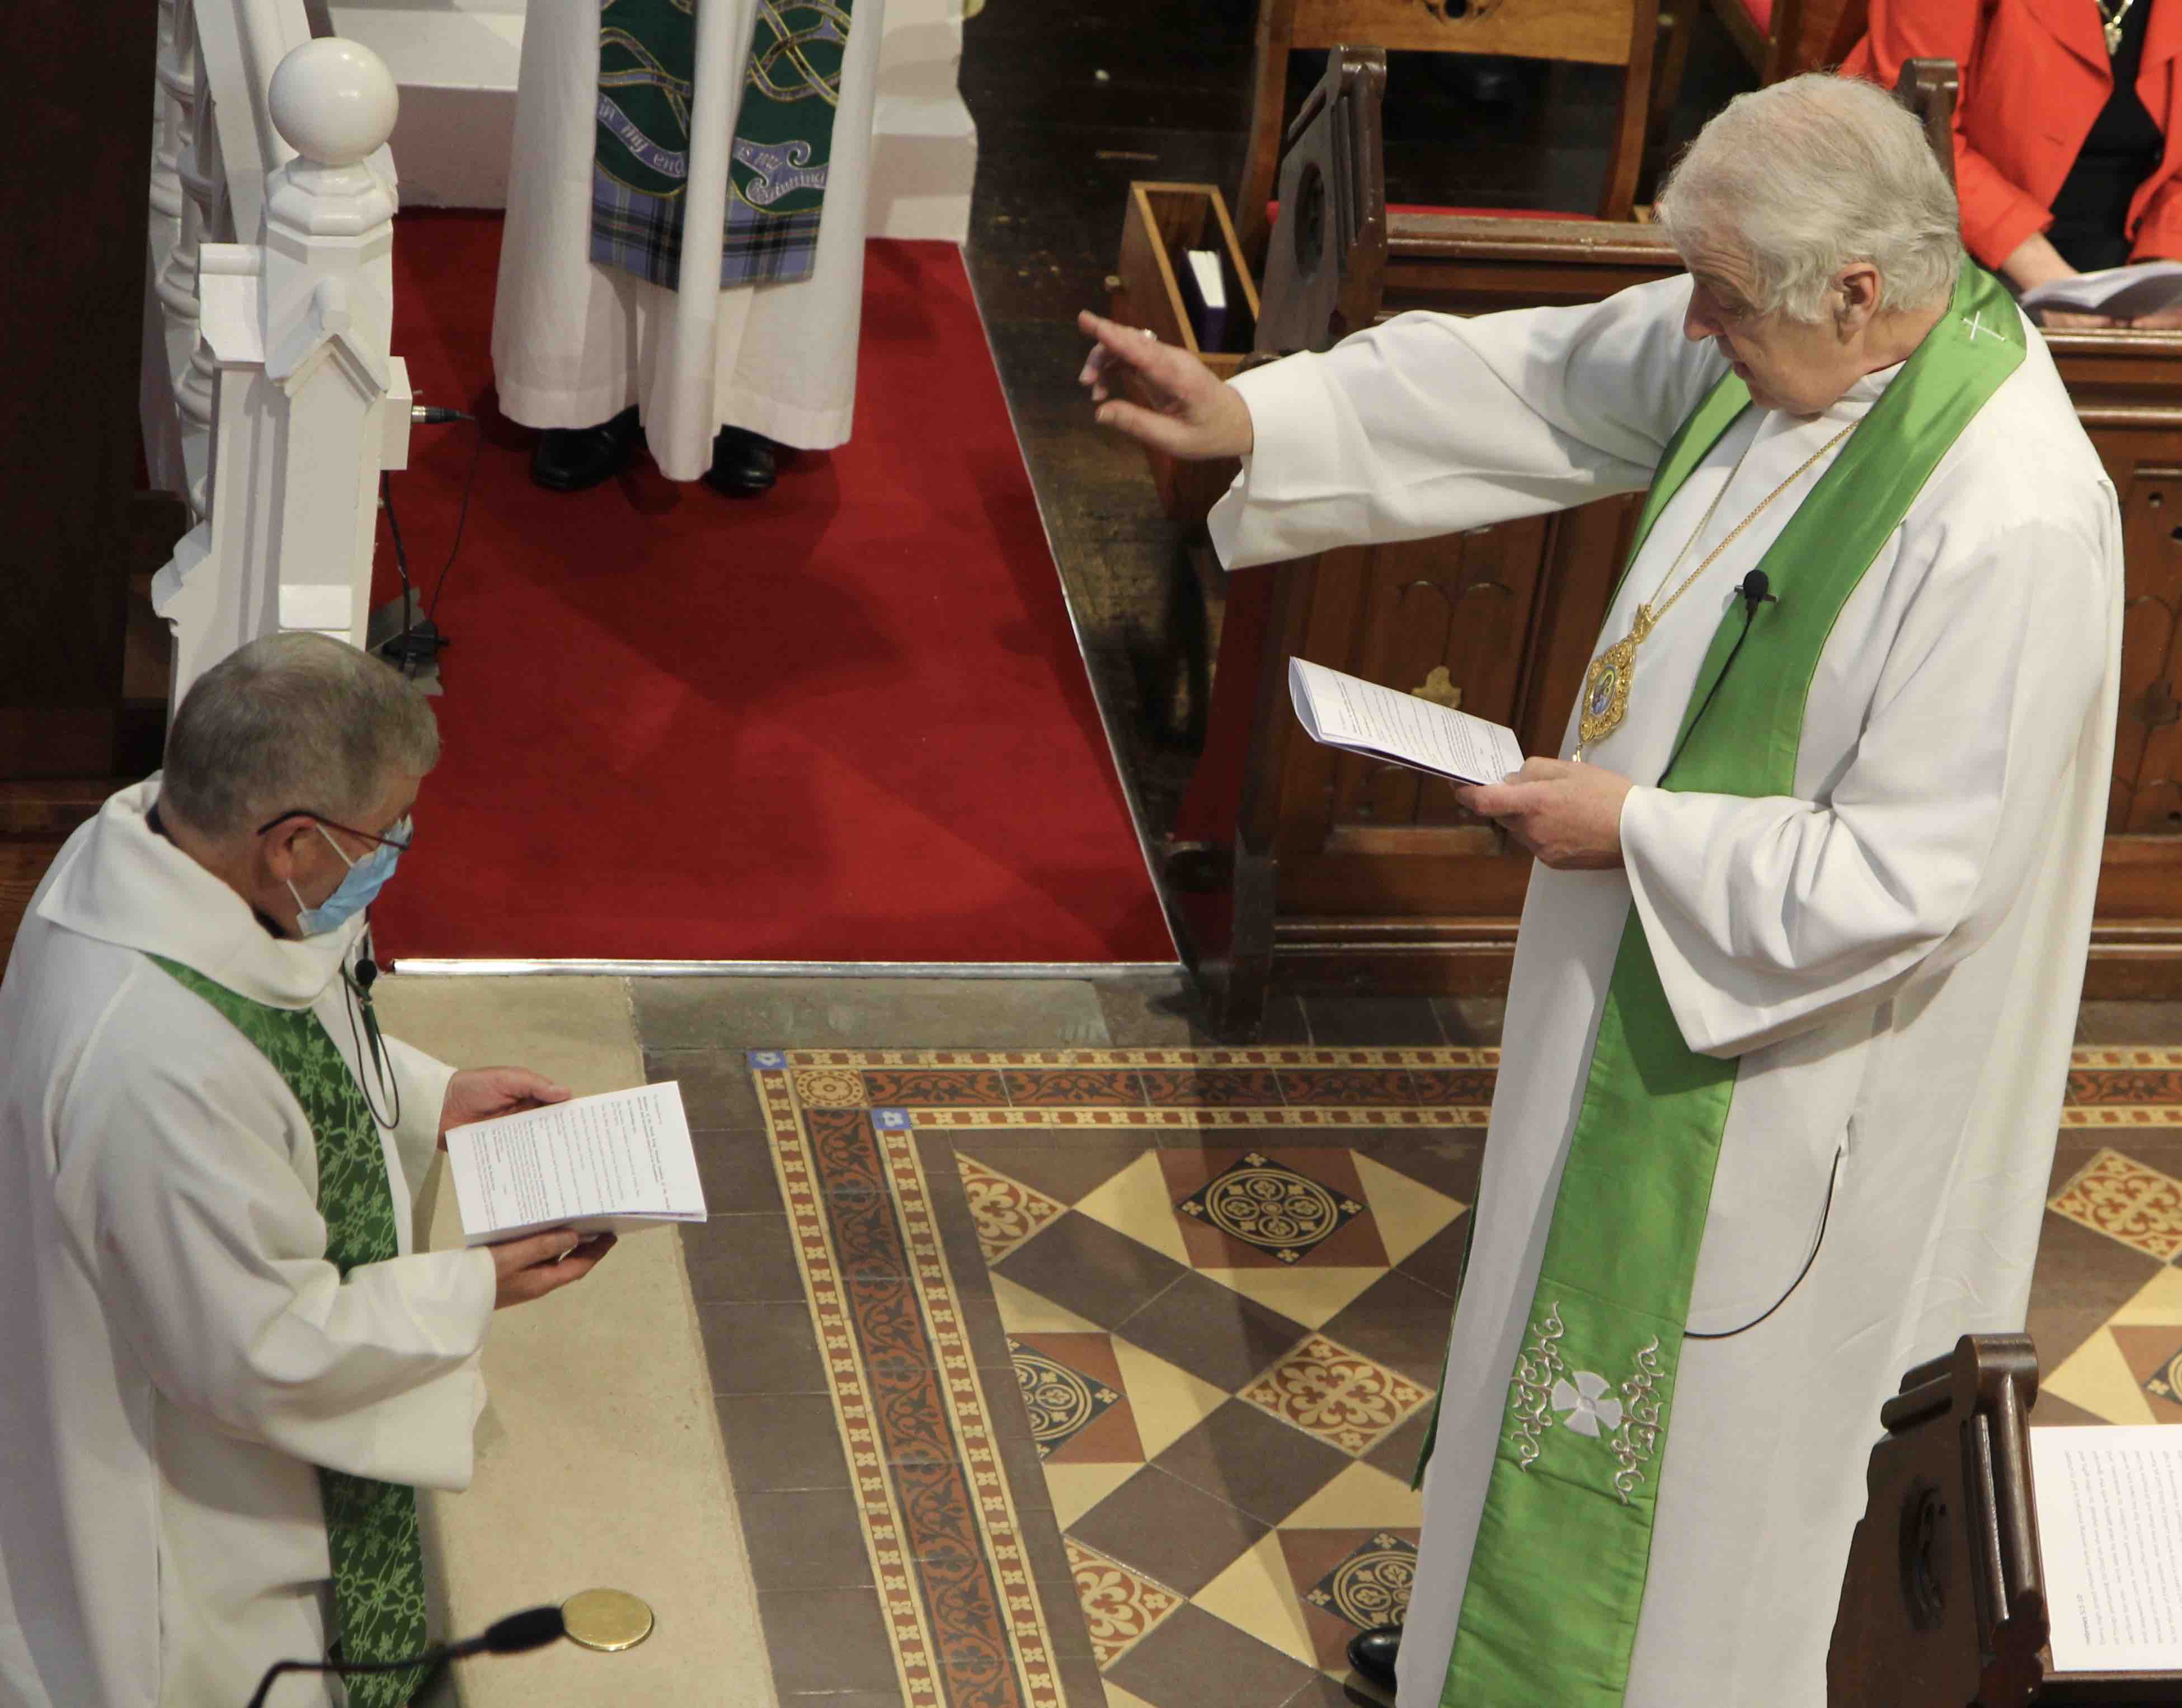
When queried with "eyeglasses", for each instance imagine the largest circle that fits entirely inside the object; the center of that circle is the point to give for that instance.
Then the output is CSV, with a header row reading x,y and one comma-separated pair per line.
x,y
400,844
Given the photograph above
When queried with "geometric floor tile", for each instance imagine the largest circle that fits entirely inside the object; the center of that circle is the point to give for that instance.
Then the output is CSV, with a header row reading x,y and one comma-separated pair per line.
x,y
1254,1211
1339,1395
1007,1211
1362,1496
1301,1232
2128,1202
1071,1388
2109,1375
1284,1226
1121,1607
1364,1583
1258,1595
2154,1357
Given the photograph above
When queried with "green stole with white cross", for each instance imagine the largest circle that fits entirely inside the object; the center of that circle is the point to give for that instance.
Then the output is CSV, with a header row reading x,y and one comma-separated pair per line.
x,y
1557,1578
372,1536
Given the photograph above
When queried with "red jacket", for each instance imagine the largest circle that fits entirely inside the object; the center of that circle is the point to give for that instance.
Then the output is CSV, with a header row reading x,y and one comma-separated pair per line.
x,y
2035,75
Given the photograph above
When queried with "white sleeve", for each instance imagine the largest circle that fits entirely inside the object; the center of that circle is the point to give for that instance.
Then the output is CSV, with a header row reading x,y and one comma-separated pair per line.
x,y
1767,916
422,1080
210,1255
1433,423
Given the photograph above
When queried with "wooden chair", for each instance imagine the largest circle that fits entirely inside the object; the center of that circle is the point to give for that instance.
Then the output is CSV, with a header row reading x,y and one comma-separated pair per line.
x,y
1779,38
1783,38
1596,32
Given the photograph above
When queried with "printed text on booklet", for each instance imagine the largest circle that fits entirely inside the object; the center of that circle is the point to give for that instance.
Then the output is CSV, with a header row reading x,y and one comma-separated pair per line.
x,y
617,1161
1346,711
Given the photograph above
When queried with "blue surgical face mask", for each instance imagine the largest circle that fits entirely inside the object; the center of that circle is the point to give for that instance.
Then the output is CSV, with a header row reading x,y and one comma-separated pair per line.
x,y
364,880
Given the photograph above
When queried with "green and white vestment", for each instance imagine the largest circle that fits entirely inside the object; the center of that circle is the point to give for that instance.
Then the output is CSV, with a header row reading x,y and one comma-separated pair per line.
x,y
1864,904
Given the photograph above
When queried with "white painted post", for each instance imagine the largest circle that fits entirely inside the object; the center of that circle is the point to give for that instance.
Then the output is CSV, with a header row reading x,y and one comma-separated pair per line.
x,y
308,404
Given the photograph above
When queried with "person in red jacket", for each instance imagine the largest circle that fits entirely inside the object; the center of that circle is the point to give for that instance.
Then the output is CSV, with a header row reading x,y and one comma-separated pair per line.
x,y
2067,153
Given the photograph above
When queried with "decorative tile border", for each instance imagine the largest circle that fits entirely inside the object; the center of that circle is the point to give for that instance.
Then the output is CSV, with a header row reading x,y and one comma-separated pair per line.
x,y
955,1584
1180,1121
2137,1086
1299,1056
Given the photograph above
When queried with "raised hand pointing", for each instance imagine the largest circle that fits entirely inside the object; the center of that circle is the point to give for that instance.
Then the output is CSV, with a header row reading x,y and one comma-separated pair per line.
x,y
1186,412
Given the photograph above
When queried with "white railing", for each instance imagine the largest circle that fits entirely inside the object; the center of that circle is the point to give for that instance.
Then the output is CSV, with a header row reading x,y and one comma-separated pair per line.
x,y
270,397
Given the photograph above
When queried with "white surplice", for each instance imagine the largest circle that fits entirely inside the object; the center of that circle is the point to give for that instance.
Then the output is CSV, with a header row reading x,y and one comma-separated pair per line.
x,y
178,1355
1894,952
575,344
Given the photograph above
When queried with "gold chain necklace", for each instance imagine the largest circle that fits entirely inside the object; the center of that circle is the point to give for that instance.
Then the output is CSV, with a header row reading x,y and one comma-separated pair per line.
x,y
1606,683
2110,18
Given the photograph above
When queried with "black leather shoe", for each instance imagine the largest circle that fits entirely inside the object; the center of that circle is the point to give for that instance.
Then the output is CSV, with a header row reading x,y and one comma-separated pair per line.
x,y
568,459
1372,1654
743,464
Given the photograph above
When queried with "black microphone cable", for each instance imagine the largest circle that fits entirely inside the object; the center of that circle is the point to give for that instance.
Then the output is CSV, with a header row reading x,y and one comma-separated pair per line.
x,y
532,1629
420,641
355,991
1755,588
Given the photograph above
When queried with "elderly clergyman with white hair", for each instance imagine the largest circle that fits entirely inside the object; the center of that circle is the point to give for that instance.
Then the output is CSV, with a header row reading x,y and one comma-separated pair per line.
x,y
1798,970
226,1369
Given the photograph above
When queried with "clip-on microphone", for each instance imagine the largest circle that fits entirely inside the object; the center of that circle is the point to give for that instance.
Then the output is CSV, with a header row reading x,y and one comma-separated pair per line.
x,y
1755,589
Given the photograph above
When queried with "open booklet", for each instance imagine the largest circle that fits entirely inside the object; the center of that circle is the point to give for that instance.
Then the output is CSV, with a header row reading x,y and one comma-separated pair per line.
x,y
617,1161
2111,1550
2145,287
1346,711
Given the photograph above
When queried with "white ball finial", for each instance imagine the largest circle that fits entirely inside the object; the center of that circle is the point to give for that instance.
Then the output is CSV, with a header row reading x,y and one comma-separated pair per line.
x,y
333,101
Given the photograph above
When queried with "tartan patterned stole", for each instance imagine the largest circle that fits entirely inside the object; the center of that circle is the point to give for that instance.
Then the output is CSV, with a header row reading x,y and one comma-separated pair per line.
x,y
782,149
372,1536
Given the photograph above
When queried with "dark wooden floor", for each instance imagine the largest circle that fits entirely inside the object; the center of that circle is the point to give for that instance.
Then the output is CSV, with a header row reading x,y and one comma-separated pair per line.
x,y
1072,103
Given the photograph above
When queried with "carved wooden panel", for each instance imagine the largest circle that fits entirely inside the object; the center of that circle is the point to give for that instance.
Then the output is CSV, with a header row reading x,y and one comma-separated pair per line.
x,y
1461,604
2148,780
1599,32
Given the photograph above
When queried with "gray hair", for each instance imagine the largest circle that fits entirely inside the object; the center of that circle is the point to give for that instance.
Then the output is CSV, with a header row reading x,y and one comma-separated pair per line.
x,y
293,721
1807,176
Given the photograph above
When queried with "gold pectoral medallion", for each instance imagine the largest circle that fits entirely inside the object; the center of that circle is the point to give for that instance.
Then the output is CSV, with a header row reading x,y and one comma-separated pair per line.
x,y
1606,683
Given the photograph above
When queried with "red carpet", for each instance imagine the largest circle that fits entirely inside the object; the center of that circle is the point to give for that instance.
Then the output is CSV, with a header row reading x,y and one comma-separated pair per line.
x,y
845,723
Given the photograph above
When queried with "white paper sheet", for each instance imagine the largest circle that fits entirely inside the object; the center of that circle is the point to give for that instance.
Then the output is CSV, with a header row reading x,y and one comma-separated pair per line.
x,y
2144,287
1346,711
2108,1503
619,1160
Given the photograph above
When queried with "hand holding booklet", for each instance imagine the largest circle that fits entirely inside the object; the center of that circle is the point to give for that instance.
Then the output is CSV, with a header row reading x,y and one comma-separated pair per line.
x,y
1346,711
617,1161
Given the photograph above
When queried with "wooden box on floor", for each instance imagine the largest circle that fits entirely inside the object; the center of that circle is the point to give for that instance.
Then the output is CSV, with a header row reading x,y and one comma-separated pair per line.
x,y
1345,874
1163,223
1943,1604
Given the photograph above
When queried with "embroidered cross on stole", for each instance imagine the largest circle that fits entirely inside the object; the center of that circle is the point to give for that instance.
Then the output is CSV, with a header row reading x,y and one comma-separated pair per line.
x,y
1557,1580
779,158
372,1534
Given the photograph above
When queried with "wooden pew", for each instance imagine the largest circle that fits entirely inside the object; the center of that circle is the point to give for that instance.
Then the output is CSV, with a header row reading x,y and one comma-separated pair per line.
x,y
1323,871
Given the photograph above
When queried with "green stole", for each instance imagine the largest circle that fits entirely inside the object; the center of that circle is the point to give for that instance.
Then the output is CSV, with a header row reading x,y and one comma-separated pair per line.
x,y
1563,1547
372,1536
778,160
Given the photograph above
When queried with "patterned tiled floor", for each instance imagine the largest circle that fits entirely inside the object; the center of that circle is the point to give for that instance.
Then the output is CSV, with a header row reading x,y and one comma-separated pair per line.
x,y
1132,1352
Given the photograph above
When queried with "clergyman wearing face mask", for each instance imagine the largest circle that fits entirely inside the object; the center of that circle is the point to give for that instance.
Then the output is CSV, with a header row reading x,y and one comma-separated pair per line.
x,y
229,1368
